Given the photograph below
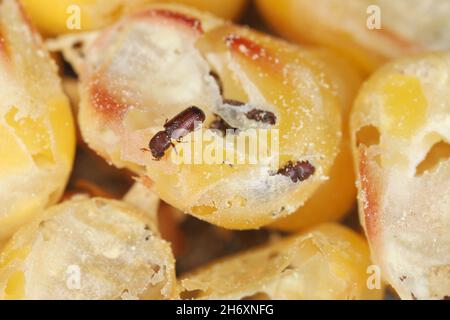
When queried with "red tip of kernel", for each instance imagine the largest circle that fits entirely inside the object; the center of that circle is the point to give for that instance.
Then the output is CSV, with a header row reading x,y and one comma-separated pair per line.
x,y
370,187
191,22
4,51
251,51
105,103
245,47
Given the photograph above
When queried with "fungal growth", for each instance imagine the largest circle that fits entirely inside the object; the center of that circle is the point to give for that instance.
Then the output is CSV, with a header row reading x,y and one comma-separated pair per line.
x,y
180,126
298,172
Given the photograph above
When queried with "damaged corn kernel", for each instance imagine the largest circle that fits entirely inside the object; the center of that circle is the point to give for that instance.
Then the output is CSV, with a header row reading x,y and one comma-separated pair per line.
x,y
239,80
88,249
37,135
327,262
400,139
337,196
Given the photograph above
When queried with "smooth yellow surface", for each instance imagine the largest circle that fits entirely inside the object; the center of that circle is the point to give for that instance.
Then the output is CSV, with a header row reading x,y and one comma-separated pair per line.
x,y
17,158
15,285
227,9
304,21
405,105
52,16
333,200
33,134
21,212
339,25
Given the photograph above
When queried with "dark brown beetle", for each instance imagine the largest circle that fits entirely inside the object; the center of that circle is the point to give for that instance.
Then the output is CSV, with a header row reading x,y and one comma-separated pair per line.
x,y
298,172
184,123
262,116
159,144
254,114
177,128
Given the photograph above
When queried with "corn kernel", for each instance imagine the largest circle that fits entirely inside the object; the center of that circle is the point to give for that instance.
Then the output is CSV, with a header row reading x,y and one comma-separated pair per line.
x,y
401,133
36,125
54,17
327,262
88,249
296,86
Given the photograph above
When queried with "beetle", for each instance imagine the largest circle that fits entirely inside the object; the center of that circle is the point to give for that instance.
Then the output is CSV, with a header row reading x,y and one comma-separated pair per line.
x,y
176,129
254,114
262,116
159,144
184,123
300,171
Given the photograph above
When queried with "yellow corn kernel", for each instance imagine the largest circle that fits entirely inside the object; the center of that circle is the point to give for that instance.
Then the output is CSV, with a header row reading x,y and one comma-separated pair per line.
x,y
36,125
17,158
333,200
320,23
231,9
295,84
336,196
327,262
405,105
76,240
368,32
33,134
15,287
53,17
62,16
400,139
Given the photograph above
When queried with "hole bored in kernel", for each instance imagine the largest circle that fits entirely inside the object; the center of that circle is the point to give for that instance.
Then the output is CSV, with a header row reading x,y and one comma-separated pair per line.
x,y
438,153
